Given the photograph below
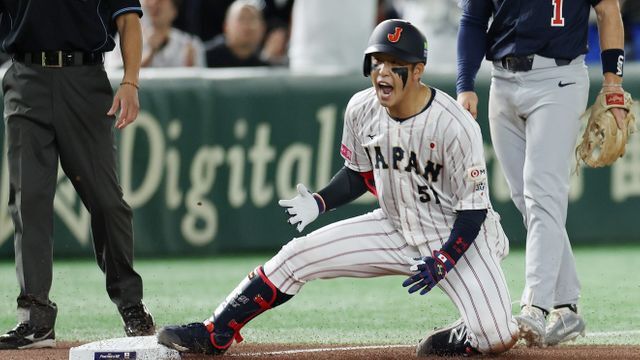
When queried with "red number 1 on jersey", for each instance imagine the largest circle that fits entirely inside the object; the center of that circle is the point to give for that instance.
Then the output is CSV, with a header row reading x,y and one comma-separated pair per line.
x,y
557,19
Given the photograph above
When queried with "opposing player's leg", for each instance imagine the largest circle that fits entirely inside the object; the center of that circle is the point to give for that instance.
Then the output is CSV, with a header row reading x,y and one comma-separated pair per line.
x,y
564,322
479,290
552,126
508,133
364,246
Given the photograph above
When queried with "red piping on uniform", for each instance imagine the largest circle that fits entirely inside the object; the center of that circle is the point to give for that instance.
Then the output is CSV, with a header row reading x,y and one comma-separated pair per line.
x,y
369,181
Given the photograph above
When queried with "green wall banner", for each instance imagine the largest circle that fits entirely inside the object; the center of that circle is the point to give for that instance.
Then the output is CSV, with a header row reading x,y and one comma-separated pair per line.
x,y
212,151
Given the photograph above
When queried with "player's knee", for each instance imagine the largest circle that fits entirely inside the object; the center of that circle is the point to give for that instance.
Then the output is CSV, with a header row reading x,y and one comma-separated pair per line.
x,y
282,260
290,249
496,341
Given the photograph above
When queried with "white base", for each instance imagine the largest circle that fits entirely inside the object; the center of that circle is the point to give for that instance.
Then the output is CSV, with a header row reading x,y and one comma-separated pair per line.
x,y
130,348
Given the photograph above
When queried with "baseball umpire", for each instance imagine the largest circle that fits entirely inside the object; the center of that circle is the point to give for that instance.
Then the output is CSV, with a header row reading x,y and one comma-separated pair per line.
x,y
539,90
58,104
422,154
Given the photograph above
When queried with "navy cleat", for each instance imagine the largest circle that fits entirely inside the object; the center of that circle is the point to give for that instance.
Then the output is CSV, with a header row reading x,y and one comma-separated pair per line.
x,y
448,341
191,338
253,296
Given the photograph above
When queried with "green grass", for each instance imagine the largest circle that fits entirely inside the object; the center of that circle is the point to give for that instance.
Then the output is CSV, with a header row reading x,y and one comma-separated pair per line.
x,y
355,311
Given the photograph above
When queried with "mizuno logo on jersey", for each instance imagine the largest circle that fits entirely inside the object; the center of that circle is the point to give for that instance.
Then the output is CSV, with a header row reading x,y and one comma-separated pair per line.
x,y
401,161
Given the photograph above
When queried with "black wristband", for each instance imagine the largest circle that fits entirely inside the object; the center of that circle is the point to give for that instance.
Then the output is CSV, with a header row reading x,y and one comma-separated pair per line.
x,y
612,61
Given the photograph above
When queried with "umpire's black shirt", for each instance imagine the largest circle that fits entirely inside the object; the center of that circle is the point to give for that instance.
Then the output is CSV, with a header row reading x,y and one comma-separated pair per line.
x,y
68,25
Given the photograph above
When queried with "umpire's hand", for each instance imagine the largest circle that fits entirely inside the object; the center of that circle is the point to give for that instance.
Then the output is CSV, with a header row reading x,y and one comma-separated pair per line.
x,y
125,99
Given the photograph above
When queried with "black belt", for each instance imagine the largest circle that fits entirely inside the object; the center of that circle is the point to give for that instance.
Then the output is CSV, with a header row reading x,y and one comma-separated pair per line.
x,y
525,63
59,58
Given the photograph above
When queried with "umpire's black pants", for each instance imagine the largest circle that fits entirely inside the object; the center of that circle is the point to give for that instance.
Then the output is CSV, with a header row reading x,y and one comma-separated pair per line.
x,y
53,113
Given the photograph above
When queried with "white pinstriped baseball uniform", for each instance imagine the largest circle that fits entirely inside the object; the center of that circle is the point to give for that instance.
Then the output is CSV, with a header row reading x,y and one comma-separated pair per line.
x,y
426,168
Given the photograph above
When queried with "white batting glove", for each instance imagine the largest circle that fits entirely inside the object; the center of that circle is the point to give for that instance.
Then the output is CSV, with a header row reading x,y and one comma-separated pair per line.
x,y
302,208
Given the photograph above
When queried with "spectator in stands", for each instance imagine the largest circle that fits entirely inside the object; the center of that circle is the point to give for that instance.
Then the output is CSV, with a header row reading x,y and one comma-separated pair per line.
x,y
164,45
203,18
330,35
277,15
239,44
438,20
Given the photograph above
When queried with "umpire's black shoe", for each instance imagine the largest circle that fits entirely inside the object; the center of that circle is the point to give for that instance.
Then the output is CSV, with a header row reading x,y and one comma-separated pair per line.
x,y
447,341
190,338
24,336
137,320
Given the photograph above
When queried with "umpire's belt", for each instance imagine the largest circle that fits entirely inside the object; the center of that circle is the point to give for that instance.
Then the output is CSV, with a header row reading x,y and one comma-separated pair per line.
x,y
530,62
59,58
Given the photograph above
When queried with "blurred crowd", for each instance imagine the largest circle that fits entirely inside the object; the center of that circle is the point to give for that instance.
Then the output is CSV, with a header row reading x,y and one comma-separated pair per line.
x,y
305,35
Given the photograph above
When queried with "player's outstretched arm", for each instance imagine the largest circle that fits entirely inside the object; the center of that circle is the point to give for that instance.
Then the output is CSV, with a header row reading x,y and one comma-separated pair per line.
x,y
431,269
346,186
611,32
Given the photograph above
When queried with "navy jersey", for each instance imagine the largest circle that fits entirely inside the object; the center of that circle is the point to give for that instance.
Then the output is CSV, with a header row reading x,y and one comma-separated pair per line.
x,y
47,25
551,28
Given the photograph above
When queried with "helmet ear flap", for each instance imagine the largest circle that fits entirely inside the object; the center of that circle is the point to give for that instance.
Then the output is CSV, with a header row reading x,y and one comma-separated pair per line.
x,y
366,66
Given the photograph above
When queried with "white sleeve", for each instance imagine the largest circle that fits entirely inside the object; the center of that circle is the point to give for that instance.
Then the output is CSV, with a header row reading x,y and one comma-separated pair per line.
x,y
468,171
351,149
200,57
113,59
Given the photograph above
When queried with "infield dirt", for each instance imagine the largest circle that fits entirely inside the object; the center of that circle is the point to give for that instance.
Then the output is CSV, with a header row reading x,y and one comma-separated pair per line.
x,y
259,351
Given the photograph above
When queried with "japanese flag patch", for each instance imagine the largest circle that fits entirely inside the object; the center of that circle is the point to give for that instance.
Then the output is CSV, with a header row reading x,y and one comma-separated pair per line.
x,y
476,174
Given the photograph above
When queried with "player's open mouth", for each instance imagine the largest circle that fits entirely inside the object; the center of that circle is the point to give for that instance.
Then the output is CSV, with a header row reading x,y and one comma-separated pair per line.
x,y
385,89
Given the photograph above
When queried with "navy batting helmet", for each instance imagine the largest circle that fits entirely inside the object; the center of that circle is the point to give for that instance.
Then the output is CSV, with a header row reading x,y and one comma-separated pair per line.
x,y
398,38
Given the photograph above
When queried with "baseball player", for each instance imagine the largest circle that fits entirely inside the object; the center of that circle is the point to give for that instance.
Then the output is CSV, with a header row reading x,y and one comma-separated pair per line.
x,y
539,90
422,155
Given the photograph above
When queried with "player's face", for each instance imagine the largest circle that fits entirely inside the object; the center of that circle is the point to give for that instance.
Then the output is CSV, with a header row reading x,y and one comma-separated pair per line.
x,y
389,76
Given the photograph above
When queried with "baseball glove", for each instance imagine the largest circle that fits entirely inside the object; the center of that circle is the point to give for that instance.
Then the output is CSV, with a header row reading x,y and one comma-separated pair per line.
x,y
602,142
